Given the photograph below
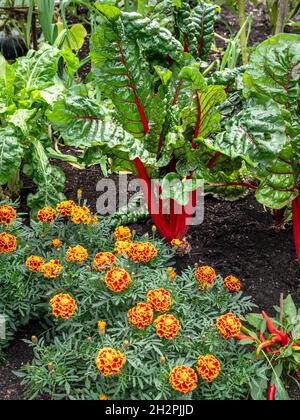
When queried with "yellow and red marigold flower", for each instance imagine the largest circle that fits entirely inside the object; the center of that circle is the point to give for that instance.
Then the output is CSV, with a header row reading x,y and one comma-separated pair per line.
x,y
176,243
65,208
140,316
183,379
8,243
34,263
63,306
104,261
51,269
229,326
142,252
7,214
122,233
80,214
47,215
110,361
232,284
208,367
56,243
159,299
117,279
77,254
206,276
122,247
167,326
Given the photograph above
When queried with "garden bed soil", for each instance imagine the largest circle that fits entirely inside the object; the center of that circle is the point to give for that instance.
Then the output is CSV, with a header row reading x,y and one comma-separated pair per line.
x,y
236,238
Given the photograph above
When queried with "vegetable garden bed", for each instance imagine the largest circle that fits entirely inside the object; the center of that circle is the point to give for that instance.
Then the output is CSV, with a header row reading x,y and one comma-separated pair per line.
x,y
159,298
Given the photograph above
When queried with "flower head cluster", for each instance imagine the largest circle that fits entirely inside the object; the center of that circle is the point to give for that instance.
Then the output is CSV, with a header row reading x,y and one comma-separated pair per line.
x,y
208,367
117,279
7,214
110,361
142,252
104,261
229,325
232,284
140,315
159,299
34,263
63,306
206,276
122,247
122,233
77,254
51,269
56,243
167,326
65,208
8,243
80,214
183,379
47,215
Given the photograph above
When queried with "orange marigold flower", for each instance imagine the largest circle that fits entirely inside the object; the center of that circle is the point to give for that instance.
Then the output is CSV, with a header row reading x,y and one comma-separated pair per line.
x,y
34,263
232,284
229,325
206,276
8,243
63,306
46,215
65,208
104,261
159,299
52,269
122,247
103,397
208,367
142,252
167,326
140,316
56,243
110,361
7,214
176,242
117,279
183,379
80,214
122,233
77,254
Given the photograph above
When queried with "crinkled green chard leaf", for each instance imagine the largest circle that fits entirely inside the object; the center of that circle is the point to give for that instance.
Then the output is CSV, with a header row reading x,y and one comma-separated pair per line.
x,y
197,25
277,186
274,71
201,116
120,53
257,135
11,153
49,179
83,123
37,70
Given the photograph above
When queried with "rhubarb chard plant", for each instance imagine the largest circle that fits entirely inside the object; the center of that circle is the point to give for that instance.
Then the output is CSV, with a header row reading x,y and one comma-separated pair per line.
x,y
157,113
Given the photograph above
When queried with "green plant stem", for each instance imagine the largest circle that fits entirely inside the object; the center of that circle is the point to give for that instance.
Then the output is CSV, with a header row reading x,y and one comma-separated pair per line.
x,y
243,36
274,17
283,10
